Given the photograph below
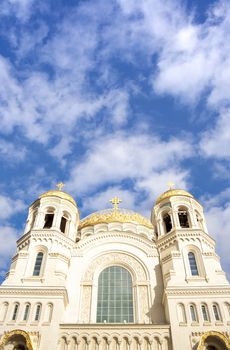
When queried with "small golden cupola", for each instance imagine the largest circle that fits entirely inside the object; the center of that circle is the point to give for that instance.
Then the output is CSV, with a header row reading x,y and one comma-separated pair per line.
x,y
59,193
54,210
173,192
177,209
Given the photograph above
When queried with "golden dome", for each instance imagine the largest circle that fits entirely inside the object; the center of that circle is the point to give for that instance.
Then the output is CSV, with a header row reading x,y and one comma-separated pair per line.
x,y
115,215
173,192
59,194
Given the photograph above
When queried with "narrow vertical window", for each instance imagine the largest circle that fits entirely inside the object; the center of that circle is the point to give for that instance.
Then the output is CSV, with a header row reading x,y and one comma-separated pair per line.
x,y
38,264
15,313
216,312
204,312
26,312
227,308
48,313
115,296
193,313
4,310
48,220
181,313
37,313
167,222
192,263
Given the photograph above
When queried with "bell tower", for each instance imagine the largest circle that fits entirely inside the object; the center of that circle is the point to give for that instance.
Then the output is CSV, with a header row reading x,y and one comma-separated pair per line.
x,y
44,250
194,282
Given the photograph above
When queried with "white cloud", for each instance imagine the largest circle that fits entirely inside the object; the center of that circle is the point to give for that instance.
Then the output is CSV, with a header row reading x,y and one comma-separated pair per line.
x,y
146,163
101,200
192,58
215,142
8,236
53,108
10,207
196,60
20,8
9,151
219,227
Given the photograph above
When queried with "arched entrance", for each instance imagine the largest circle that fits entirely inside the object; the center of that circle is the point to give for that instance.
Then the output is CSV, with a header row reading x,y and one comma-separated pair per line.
x,y
16,340
213,341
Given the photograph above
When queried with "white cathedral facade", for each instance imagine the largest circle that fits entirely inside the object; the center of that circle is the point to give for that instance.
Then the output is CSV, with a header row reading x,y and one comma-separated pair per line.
x,y
115,280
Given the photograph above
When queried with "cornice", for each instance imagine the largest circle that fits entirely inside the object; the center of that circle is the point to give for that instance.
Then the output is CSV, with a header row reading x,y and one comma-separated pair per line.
x,y
35,291
179,234
52,234
144,243
190,290
124,326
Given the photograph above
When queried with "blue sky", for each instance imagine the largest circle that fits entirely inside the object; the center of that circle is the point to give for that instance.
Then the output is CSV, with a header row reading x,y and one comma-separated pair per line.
x,y
114,98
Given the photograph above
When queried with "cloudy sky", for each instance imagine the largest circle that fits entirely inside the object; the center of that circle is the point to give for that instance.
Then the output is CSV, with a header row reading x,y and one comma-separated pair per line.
x,y
114,98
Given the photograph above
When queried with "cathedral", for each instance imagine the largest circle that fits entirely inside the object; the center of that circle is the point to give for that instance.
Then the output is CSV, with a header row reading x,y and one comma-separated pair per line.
x,y
115,280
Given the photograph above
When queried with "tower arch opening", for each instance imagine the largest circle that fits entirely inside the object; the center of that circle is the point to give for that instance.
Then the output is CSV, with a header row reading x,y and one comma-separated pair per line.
x,y
184,218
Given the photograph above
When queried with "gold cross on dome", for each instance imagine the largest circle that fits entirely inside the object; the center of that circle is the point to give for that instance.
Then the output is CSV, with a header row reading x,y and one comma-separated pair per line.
x,y
115,201
60,185
170,185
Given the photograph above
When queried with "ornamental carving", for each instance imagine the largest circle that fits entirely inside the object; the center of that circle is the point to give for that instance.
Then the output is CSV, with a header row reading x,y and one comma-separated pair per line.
x,y
86,301
214,334
143,297
115,258
6,337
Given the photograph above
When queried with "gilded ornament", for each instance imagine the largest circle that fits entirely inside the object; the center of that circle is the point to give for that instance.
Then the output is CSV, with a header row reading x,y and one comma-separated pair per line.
x,y
60,185
214,334
10,334
115,215
115,201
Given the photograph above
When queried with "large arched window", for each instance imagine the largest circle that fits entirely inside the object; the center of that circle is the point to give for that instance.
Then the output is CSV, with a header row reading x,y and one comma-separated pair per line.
x,y
115,296
38,264
193,264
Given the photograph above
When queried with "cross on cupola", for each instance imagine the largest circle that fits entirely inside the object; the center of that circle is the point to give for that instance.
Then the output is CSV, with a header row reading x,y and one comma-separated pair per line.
x,y
115,201
171,185
60,185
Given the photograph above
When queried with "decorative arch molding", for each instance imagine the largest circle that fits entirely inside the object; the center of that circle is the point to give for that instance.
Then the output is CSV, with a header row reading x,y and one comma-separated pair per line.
x,y
217,335
132,264
6,337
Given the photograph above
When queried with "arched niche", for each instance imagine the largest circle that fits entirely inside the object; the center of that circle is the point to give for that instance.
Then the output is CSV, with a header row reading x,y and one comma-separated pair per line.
x,y
213,341
18,338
